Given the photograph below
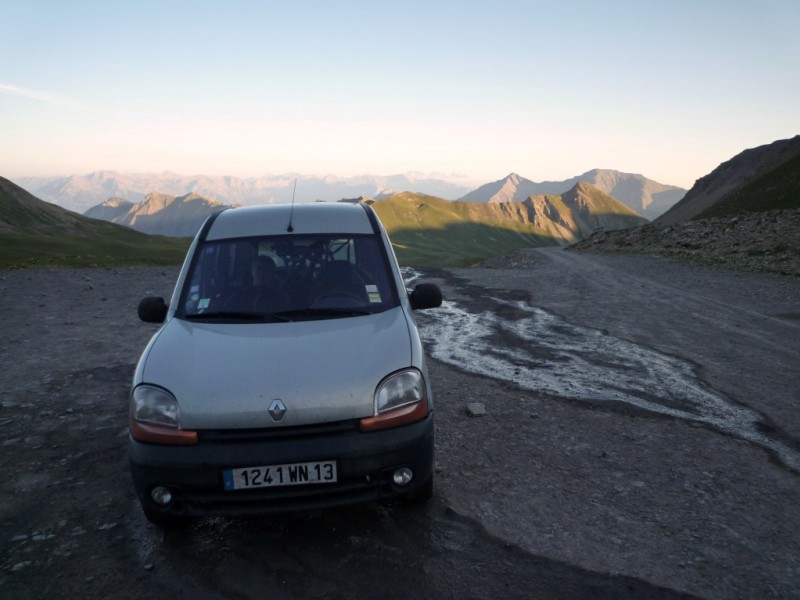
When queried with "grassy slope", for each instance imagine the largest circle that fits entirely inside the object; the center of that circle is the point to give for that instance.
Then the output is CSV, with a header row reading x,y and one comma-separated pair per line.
x,y
776,189
429,231
603,203
111,248
34,233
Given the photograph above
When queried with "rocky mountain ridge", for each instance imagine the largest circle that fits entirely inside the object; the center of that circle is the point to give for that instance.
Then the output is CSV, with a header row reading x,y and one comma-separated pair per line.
x,y
579,212
645,196
162,214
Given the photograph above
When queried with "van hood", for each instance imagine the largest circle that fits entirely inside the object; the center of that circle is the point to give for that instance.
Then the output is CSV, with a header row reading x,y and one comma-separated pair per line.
x,y
225,376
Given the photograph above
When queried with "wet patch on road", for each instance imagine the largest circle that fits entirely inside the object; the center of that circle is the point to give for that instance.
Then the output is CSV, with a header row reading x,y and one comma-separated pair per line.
x,y
522,344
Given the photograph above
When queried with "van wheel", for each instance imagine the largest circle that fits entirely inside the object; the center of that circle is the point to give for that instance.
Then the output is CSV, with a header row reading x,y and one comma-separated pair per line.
x,y
421,494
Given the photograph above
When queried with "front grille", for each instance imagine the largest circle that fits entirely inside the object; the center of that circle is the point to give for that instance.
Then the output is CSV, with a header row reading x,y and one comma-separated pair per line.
x,y
279,433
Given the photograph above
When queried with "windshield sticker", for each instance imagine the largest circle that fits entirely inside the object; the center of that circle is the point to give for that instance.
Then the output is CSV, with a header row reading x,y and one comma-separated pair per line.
x,y
374,294
203,303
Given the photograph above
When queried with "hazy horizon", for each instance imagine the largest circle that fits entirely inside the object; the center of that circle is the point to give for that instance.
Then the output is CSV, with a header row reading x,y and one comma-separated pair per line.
x,y
254,89
456,179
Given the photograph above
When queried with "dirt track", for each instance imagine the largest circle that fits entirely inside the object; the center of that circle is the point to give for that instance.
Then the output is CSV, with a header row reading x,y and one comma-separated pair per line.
x,y
545,496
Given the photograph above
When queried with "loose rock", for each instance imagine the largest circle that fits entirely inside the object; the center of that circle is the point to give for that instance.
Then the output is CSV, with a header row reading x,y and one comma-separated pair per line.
x,y
476,409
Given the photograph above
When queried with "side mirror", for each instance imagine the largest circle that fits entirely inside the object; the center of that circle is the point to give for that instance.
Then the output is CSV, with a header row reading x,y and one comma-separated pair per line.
x,y
152,310
425,295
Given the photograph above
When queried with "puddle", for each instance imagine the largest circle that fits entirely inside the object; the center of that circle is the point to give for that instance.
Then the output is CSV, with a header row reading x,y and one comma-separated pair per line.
x,y
539,351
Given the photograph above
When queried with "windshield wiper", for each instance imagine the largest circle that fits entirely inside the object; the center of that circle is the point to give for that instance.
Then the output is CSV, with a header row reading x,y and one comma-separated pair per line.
x,y
235,314
322,312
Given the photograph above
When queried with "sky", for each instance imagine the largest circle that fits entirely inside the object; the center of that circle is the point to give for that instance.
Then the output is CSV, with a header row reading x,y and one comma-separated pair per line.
x,y
467,89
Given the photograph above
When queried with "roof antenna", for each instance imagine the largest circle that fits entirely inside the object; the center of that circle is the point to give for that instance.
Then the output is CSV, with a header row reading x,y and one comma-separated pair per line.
x,y
290,229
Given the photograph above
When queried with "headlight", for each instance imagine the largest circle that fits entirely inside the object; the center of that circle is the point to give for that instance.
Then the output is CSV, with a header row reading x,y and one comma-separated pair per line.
x,y
399,389
154,417
150,404
400,399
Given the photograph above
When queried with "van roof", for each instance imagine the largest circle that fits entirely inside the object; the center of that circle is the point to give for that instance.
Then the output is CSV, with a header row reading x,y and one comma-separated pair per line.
x,y
274,219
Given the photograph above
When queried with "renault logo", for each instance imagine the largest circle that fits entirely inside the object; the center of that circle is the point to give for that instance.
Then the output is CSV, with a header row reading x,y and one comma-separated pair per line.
x,y
277,409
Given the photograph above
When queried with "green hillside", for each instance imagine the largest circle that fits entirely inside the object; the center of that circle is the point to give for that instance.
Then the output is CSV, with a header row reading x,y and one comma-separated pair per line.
x,y
776,189
429,231
108,248
34,233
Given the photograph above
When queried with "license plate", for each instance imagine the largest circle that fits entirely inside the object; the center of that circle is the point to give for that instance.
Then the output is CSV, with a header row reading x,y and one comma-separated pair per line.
x,y
278,475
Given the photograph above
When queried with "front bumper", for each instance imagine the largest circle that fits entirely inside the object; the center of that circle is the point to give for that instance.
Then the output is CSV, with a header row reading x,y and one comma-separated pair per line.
x,y
365,463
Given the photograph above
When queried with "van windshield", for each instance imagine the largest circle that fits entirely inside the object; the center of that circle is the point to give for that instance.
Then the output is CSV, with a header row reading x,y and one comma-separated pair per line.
x,y
287,278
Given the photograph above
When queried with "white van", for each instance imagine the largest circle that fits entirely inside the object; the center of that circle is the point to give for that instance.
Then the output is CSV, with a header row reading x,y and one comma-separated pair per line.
x,y
288,373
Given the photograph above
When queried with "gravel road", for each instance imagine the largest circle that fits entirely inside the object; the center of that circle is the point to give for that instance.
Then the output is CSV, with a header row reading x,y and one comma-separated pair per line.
x,y
640,440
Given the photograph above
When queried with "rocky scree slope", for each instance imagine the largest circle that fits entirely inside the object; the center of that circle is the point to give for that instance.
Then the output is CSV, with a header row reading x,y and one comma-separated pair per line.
x,y
761,242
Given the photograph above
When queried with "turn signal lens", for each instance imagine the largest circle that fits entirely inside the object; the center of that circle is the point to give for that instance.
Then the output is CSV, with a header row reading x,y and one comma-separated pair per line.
x,y
157,434
395,418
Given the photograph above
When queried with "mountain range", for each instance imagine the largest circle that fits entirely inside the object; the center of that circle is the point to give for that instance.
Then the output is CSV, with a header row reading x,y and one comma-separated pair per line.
x,y
425,230
81,192
555,219
428,230
645,196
